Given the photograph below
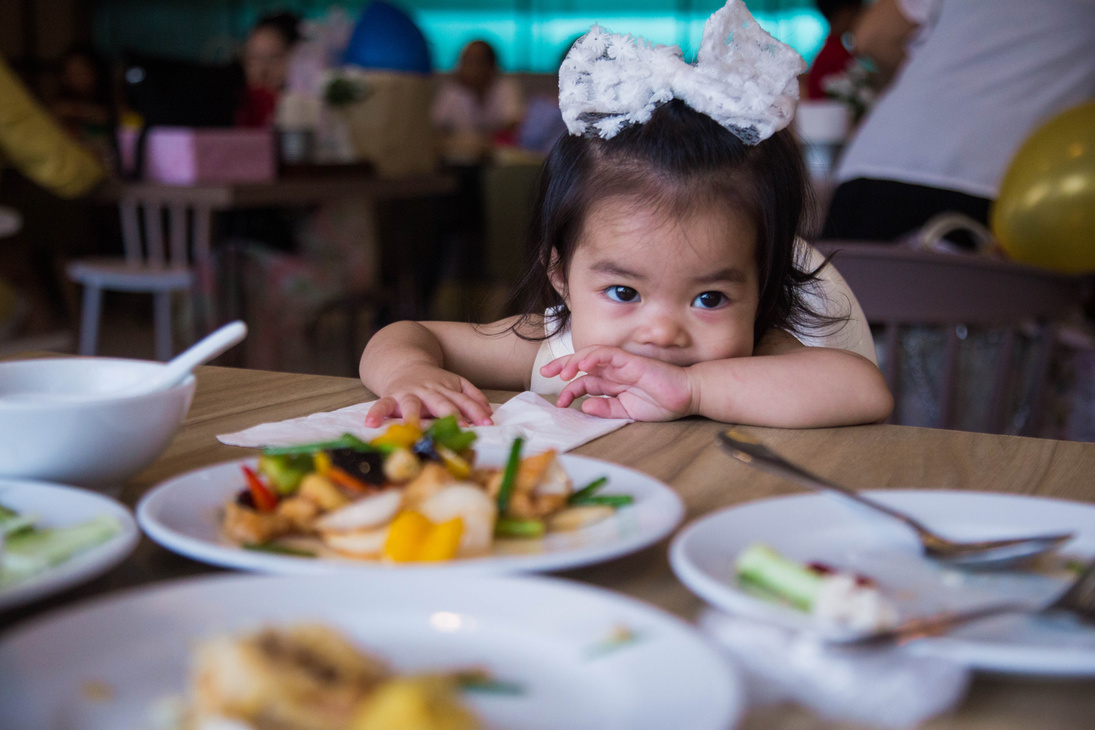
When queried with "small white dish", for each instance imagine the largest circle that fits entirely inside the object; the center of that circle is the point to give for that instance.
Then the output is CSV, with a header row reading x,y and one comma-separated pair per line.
x,y
183,515
823,528
547,636
91,442
60,506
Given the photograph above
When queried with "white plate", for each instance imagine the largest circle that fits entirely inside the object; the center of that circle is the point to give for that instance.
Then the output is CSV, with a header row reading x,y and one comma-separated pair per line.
x,y
183,515
830,530
59,506
540,633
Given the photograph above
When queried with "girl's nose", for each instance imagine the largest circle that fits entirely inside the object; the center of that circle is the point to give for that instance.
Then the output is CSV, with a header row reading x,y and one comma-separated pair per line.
x,y
662,331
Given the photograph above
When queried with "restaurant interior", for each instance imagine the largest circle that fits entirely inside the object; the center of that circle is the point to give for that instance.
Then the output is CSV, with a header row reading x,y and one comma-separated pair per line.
x,y
807,293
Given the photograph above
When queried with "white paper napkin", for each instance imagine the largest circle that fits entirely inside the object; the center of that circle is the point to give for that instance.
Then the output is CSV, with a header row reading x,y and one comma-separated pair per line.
x,y
541,424
887,688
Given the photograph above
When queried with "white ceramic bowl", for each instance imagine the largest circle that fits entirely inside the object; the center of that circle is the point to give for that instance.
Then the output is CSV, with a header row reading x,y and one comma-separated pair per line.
x,y
96,442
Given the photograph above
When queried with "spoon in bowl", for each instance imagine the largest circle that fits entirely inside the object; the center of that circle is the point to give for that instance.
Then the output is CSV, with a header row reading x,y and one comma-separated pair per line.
x,y
172,373
982,554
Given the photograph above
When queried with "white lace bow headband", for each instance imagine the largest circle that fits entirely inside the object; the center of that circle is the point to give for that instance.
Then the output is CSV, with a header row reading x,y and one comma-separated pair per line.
x,y
743,78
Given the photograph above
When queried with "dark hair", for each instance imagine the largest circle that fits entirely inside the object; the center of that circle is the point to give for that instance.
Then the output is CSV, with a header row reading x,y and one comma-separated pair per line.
x,y
679,161
285,24
829,8
492,55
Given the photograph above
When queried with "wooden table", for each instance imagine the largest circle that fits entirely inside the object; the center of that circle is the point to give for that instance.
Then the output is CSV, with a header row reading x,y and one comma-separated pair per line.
x,y
684,455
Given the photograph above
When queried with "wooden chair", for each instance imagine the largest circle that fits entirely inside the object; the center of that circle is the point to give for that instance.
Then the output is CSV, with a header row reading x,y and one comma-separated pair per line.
x,y
898,286
157,263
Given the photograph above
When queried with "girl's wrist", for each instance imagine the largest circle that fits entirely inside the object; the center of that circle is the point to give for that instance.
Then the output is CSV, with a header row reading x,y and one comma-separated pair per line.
x,y
695,375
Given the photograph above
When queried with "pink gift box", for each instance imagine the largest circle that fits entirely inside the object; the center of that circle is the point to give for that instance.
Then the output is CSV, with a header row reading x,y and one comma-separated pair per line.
x,y
186,155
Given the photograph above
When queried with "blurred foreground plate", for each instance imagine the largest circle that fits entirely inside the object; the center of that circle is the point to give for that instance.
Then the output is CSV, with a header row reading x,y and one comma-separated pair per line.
x,y
109,662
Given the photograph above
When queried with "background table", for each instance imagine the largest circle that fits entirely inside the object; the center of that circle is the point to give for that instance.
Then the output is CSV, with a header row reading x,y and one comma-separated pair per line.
x,y
684,455
305,187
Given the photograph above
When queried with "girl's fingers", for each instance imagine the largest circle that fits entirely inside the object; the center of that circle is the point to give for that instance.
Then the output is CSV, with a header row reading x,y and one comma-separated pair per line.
x,y
554,367
473,404
604,408
410,407
467,410
585,385
439,404
566,367
380,410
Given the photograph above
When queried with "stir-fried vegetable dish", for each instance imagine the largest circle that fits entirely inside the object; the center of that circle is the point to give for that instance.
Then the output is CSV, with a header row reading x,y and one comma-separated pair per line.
x,y
410,494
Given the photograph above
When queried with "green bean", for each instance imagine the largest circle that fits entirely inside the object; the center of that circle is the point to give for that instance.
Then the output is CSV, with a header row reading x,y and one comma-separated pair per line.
x,y
588,490
515,527
609,500
270,547
510,475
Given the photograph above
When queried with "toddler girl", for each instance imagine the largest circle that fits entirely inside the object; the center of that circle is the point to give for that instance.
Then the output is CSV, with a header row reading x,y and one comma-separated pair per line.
x,y
668,277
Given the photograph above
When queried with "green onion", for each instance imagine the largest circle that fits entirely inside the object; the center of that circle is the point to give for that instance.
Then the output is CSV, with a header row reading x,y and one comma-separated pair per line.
x,y
460,441
447,432
271,547
609,500
510,475
588,490
346,441
516,527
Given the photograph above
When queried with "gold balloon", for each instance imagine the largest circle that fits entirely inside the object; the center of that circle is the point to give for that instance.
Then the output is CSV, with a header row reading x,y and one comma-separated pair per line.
x,y
1045,212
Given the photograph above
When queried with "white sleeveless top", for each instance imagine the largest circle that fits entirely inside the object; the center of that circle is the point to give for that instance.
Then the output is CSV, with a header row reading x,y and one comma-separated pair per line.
x,y
831,297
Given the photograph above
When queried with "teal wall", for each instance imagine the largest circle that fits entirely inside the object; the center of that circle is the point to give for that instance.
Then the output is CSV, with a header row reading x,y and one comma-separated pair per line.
x,y
530,35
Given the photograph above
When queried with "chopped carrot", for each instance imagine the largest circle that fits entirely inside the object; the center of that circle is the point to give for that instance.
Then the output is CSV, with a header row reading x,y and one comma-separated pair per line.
x,y
347,480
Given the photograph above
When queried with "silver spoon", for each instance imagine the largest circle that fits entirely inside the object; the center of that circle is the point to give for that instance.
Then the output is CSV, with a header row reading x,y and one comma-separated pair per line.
x,y
982,554
1078,599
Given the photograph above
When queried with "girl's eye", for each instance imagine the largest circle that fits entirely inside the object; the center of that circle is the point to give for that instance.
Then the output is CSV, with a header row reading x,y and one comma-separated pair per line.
x,y
710,300
622,294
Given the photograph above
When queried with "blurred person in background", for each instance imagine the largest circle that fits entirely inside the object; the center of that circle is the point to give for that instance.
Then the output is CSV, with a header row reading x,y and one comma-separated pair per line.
x,y
973,78
85,103
44,172
478,106
265,59
834,58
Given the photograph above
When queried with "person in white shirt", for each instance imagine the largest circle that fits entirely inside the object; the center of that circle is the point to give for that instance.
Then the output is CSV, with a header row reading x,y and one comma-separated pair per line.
x,y
973,79
478,106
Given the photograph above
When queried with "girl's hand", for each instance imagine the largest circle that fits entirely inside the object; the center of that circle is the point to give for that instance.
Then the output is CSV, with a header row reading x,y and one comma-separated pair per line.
x,y
638,387
427,390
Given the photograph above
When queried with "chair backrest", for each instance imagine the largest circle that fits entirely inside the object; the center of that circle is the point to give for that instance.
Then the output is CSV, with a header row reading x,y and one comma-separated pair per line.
x,y
158,231
899,286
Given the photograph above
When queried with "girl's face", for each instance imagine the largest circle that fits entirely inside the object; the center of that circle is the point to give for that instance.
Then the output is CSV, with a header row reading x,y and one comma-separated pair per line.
x,y
681,290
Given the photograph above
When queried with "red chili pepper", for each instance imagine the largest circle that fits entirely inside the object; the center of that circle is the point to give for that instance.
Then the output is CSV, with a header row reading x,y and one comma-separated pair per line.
x,y
264,499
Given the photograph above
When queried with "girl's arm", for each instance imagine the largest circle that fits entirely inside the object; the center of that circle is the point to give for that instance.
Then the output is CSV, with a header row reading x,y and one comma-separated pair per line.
x,y
788,385
433,368
783,385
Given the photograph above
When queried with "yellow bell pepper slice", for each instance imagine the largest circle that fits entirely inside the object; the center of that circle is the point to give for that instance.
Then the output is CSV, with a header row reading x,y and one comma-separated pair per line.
x,y
321,460
399,434
442,541
406,536
456,464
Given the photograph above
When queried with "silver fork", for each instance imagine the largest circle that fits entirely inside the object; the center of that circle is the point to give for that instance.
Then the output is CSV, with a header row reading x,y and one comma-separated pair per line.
x,y
1078,599
981,554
